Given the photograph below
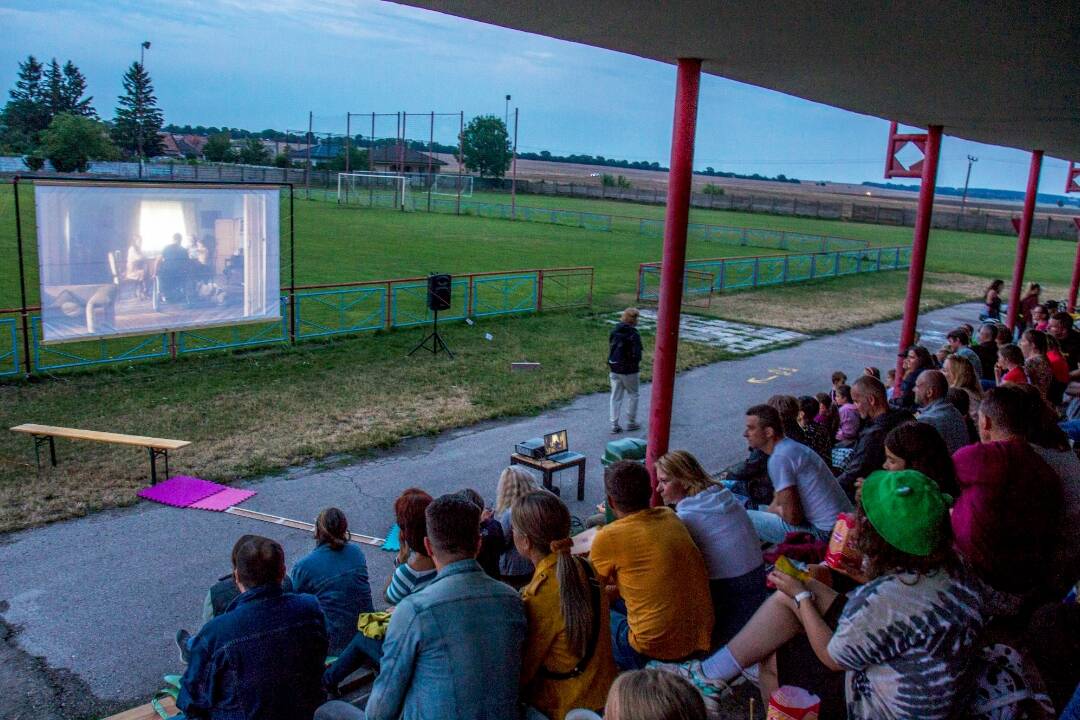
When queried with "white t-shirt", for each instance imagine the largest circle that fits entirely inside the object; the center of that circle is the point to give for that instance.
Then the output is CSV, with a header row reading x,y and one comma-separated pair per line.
x,y
722,531
793,464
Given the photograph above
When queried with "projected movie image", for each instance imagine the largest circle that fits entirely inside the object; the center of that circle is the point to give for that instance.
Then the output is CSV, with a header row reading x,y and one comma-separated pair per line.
x,y
127,260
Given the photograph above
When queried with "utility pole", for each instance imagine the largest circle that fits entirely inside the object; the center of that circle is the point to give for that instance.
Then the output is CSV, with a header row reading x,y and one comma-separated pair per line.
x,y
971,161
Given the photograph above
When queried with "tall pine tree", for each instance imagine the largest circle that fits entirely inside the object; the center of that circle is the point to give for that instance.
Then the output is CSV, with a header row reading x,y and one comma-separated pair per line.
x,y
74,89
138,118
26,113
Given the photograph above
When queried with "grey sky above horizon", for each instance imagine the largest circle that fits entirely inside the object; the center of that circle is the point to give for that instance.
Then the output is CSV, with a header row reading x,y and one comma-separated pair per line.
x,y
258,64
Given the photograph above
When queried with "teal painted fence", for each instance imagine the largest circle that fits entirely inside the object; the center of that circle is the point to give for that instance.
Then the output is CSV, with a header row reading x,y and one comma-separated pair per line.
x,y
736,273
320,312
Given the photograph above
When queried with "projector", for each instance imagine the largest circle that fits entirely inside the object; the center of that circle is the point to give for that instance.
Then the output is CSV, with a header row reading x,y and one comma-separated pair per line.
x,y
531,448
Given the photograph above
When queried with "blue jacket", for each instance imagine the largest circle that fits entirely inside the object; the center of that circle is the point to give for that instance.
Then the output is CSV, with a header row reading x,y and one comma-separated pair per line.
x,y
452,651
262,660
339,579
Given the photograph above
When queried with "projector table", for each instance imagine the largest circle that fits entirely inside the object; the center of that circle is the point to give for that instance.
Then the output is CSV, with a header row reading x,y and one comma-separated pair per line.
x,y
547,468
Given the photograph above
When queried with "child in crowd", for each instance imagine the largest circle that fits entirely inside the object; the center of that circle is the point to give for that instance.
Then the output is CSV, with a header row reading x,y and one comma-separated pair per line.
x,y
848,430
838,379
827,416
817,436
890,383
653,695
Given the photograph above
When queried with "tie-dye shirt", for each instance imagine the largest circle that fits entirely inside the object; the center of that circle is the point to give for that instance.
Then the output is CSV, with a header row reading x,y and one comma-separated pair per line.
x,y
905,641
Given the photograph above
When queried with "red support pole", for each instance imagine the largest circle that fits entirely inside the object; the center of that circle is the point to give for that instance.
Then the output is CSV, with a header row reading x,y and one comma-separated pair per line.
x,y
1076,270
918,247
1024,239
676,218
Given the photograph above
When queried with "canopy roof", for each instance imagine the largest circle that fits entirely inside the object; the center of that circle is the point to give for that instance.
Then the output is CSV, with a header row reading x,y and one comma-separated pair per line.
x,y
1001,73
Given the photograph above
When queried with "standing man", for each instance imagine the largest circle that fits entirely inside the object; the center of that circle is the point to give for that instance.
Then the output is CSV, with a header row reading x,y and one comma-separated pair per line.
x,y
624,363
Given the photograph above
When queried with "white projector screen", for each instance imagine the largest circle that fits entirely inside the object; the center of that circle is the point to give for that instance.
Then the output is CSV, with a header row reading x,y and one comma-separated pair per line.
x,y
130,259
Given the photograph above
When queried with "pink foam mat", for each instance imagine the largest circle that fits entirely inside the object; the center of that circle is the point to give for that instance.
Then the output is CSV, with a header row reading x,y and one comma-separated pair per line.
x,y
184,491
223,500
181,491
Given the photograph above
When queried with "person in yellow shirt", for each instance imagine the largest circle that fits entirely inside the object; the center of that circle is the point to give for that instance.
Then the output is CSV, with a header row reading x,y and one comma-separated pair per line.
x,y
567,659
649,561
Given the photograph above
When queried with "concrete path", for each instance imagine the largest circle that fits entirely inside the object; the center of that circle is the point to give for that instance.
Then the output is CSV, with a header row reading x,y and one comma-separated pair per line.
x,y
103,596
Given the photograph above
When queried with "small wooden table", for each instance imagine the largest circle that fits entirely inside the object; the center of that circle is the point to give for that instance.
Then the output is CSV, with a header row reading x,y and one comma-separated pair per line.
x,y
547,468
44,434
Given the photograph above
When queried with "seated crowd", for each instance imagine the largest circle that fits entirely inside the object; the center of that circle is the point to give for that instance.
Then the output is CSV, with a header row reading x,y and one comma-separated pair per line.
x,y
896,553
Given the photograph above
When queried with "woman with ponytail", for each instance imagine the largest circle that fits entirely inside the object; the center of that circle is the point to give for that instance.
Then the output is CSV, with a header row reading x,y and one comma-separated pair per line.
x,y
336,573
567,662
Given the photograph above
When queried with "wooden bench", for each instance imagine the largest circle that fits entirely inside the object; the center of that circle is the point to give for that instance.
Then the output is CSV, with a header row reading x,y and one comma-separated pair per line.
x,y
156,447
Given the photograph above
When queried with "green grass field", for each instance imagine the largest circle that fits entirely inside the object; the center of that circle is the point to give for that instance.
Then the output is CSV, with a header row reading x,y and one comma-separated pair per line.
x,y
336,244
348,395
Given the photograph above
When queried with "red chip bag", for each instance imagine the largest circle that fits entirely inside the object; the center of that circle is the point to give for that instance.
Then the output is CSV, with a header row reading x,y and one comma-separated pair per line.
x,y
842,555
793,703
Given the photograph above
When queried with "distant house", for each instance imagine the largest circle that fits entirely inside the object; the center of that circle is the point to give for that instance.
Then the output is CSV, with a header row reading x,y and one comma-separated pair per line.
x,y
388,158
182,146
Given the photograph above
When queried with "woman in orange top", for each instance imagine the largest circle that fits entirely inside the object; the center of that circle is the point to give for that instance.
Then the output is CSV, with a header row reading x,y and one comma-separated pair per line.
x,y
567,660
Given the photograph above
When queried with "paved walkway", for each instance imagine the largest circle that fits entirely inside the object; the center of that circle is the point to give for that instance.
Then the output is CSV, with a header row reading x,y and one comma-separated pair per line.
x,y
104,595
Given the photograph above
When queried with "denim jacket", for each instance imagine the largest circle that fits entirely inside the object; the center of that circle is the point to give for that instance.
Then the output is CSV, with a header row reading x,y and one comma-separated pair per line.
x,y
452,651
261,660
339,579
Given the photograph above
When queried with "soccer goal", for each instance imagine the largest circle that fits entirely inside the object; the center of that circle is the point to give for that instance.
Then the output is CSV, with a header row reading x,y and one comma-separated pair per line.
x,y
368,189
448,184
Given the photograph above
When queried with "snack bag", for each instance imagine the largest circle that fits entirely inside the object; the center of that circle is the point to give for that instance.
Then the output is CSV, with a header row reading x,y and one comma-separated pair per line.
x,y
842,555
793,703
789,568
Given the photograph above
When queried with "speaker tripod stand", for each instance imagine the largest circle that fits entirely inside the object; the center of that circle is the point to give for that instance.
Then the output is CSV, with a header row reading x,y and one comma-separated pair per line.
x,y
437,343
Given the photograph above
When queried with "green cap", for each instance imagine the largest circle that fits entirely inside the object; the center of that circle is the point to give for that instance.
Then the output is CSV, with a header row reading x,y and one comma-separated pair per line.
x,y
907,509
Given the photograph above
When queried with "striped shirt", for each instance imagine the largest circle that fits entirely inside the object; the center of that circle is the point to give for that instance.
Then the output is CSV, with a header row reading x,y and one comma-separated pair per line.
x,y
406,581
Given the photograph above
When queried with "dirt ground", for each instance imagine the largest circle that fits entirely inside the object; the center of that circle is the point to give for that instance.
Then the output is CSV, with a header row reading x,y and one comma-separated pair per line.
x,y
34,691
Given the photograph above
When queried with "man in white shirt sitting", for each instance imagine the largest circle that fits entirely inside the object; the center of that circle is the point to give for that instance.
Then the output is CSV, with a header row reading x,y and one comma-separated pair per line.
x,y
807,497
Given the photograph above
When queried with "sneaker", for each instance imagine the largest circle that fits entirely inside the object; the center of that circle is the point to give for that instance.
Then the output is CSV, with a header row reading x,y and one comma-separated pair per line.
x,y
615,429
632,426
691,670
183,637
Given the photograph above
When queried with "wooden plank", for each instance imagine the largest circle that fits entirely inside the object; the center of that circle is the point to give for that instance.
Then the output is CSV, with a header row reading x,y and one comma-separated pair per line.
x,y
297,524
97,436
146,712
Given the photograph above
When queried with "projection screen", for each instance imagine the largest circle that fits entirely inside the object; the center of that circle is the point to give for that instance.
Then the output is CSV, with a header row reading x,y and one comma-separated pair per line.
x,y
131,259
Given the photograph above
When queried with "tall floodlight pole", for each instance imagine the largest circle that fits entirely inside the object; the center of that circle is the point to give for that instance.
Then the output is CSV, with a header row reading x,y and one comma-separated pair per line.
x,y
143,47
971,161
506,112
310,140
513,170
461,157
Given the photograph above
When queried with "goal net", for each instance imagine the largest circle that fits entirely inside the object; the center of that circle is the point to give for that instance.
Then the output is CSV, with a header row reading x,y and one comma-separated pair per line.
x,y
447,184
368,189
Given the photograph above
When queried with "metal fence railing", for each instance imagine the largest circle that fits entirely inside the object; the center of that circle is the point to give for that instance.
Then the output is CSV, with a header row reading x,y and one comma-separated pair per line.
x,y
737,273
320,311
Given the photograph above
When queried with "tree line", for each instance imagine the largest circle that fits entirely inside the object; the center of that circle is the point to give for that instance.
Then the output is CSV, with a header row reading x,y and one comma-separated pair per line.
x,y
49,116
